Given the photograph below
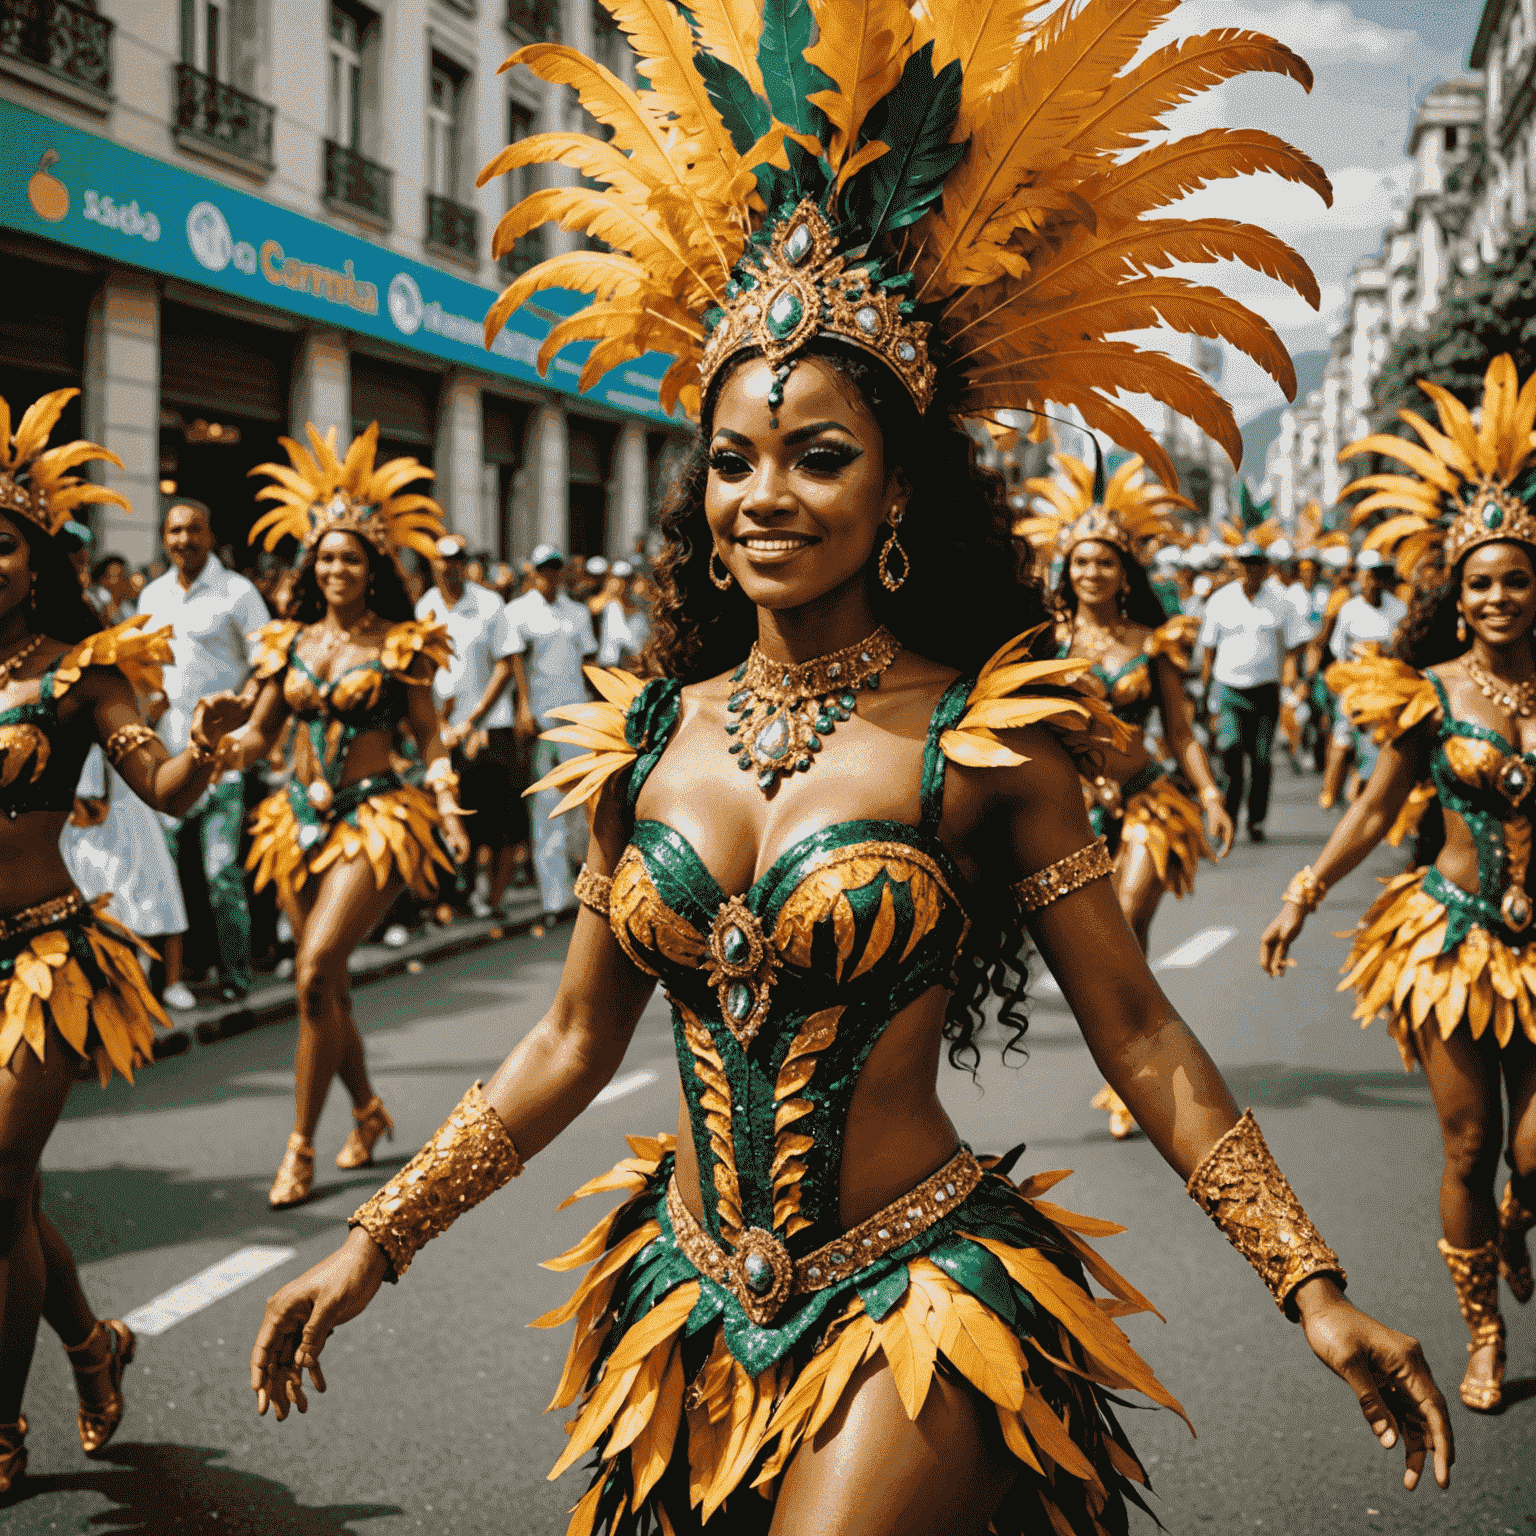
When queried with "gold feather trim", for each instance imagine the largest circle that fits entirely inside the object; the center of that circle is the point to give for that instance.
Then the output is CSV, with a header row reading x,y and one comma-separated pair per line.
x,y
138,655
413,638
1168,825
597,726
1175,640
1408,818
1382,695
789,1145
715,1100
1135,508
37,485
272,643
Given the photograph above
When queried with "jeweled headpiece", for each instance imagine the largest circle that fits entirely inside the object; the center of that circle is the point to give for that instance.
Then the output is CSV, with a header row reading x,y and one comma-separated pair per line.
x,y
37,485
966,192
1461,492
318,493
1135,510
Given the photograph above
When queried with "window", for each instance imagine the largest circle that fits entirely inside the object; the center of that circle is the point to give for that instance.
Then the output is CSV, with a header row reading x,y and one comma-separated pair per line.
x,y
346,71
1450,137
442,133
205,37
529,251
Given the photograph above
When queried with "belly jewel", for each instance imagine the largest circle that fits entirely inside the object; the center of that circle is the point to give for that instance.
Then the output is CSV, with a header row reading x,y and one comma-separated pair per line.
x,y
741,966
1516,909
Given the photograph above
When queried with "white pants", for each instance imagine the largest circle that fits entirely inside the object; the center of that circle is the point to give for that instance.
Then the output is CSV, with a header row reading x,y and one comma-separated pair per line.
x,y
551,854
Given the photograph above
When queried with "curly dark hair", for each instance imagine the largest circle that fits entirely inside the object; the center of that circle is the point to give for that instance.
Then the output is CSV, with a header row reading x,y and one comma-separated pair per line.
x,y
971,587
1427,636
1141,604
59,607
387,597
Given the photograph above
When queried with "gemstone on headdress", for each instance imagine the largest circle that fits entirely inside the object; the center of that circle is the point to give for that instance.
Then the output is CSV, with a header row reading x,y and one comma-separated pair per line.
x,y
906,351
785,313
868,319
1493,515
798,246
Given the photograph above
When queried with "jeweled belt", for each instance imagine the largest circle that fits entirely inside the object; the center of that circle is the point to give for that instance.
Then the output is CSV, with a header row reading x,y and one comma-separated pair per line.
x,y
45,914
316,807
762,1276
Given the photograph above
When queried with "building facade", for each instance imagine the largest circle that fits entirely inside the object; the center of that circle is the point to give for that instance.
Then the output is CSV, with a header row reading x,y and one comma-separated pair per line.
x,y
224,218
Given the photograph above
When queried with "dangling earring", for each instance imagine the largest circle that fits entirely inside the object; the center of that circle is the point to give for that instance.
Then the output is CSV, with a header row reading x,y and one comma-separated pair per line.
x,y
1120,598
1461,627
893,546
723,581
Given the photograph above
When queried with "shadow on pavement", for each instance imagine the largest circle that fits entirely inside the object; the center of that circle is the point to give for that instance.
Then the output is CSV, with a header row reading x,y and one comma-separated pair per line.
x,y
1273,1085
1521,1390
103,1212
157,1488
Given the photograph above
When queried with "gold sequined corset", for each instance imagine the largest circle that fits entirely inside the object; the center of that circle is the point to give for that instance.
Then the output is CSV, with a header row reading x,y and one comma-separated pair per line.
x,y
780,993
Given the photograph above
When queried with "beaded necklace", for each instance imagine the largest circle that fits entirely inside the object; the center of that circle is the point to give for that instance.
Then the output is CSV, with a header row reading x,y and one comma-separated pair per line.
x,y
1517,699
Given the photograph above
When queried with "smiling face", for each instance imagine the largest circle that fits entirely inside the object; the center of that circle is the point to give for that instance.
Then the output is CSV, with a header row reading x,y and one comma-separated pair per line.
x,y
797,496
341,569
1095,572
15,570
1498,593
188,539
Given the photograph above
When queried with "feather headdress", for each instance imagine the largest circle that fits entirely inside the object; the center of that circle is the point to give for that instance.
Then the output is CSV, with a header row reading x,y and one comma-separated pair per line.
x,y
1461,491
318,493
958,187
1135,510
37,485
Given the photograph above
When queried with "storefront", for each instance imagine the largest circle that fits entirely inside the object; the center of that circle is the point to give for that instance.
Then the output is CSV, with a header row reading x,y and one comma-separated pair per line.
x,y
42,332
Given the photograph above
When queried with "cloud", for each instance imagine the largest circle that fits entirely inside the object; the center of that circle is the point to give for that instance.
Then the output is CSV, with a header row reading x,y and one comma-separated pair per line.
x,y
1364,198
1312,27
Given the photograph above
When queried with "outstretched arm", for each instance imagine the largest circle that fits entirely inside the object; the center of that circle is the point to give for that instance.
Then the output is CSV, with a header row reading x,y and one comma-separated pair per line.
x,y
421,717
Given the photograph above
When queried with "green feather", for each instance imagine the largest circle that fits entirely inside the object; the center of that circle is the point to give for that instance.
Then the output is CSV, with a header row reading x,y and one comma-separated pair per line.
x,y
789,28
746,115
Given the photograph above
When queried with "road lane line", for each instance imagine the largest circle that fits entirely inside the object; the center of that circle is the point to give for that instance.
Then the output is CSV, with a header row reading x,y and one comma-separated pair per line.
x,y
1192,952
205,1288
622,1087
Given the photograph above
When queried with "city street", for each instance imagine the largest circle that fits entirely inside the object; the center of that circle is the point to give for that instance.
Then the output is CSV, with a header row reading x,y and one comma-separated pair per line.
x,y
434,1422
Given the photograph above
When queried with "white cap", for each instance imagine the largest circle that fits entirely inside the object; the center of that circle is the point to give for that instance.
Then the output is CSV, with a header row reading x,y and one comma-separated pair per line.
x,y
1170,555
1281,550
597,566
1369,560
1203,585
545,554
452,546
1335,557
621,569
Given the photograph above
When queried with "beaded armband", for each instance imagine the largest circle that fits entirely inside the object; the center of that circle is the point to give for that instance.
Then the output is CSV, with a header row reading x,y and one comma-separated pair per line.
x,y
1305,890
1064,876
594,891
469,1158
1240,1187
126,740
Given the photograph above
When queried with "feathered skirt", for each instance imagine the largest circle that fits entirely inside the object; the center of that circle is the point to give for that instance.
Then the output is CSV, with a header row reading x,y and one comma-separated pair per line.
x,y
1428,953
1164,821
995,1295
67,964
394,825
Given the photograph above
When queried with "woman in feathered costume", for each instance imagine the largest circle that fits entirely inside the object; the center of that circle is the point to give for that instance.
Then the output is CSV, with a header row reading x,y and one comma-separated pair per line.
x,y
71,985
347,833
850,786
1445,951
1108,616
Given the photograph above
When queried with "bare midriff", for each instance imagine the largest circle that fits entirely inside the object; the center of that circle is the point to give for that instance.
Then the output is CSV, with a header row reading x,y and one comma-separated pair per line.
x,y
34,869
1458,859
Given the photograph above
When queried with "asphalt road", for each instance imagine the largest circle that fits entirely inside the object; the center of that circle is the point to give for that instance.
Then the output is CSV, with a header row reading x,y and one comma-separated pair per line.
x,y
434,1418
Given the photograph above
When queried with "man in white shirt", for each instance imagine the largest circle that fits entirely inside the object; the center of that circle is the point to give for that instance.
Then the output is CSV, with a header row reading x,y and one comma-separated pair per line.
x,y
552,636
477,725
214,612
1247,637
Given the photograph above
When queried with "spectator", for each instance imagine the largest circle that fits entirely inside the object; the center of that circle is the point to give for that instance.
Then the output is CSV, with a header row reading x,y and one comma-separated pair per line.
x,y
553,636
478,727
111,591
1248,638
213,612
622,628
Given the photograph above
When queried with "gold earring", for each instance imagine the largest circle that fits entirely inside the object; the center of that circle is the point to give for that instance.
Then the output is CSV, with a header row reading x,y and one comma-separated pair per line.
x,y
722,581
893,546
1461,627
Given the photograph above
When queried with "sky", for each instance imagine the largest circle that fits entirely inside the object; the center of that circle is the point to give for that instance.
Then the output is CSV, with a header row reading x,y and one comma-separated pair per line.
x,y
1371,60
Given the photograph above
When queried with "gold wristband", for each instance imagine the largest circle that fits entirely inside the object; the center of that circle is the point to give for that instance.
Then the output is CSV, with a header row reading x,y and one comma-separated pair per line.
x,y
1240,1187
1065,875
594,891
126,740
469,1158
1305,890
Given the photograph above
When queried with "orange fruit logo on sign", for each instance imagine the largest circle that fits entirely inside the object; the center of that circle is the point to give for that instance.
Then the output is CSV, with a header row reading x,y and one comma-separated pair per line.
x,y
47,194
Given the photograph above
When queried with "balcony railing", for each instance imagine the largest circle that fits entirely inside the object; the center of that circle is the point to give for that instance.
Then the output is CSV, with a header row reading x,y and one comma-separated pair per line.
x,y
68,40
453,227
535,20
356,183
218,115
525,253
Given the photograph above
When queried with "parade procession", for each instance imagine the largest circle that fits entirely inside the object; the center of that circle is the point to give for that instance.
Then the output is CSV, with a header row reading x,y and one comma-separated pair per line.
x,y
787,622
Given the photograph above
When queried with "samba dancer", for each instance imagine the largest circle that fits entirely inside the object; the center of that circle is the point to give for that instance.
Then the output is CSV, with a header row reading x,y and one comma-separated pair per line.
x,y
762,1327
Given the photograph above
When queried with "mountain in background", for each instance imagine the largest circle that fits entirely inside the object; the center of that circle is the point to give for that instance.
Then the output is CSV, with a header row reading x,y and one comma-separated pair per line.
x,y
1259,433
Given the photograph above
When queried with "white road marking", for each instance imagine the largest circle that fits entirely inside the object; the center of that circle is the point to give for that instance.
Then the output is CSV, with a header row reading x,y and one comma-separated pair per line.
x,y
622,1087
202,1290
1192,952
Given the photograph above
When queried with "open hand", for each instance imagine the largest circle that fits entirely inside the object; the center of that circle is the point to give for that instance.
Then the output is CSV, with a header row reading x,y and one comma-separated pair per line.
x,y
456,838
302,1316
1274,947
1218,826
217,715
1387,1372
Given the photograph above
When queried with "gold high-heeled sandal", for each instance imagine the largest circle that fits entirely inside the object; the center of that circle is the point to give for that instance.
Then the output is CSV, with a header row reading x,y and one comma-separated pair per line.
x,y
372,1122
97,1425
1475,1274
295,1174
1514,1257
13,1454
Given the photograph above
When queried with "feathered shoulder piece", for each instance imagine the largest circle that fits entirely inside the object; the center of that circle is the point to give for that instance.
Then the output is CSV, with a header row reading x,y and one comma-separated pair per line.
x,y
1136,511
1012,691
37,485
413,638
605,728
1381,694
274,642
957,189
1466,485
138,655
1175,640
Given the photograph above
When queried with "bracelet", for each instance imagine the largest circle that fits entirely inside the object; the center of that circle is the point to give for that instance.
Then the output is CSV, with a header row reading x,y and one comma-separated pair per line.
x,y
441,779
1305,890
202,754
127,739
1064,876
1209,793
594,891
470,1157
1240,1187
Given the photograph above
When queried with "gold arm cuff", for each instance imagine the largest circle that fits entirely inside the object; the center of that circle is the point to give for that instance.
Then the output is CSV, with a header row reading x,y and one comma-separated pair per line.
x,y
469,1158
1305,890
594,891
126,740
1065,875
1240,1187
